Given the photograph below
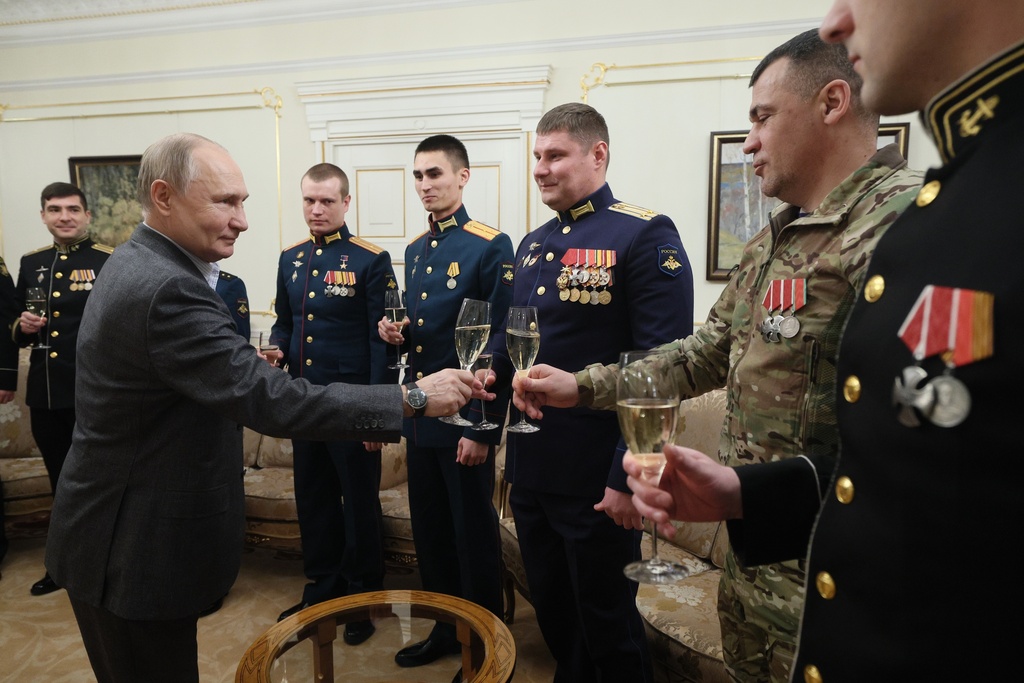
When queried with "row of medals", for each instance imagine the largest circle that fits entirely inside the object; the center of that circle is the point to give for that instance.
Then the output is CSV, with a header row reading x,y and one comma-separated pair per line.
x,y
85,286
776,327
571,280
339,290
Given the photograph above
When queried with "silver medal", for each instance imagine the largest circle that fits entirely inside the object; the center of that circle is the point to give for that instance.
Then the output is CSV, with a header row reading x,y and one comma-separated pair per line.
x,y
907,395
952,401
789,327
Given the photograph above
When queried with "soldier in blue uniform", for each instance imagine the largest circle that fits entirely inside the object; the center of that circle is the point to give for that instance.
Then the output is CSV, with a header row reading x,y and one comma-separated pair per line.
x,y
330,293
606,277
231,288
451,468
65,270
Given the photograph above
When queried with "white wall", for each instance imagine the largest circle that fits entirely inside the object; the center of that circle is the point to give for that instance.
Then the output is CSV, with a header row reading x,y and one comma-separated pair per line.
x,y
105,97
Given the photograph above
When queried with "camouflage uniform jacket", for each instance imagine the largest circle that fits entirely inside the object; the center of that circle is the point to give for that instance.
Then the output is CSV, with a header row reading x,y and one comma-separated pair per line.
x,y
781,394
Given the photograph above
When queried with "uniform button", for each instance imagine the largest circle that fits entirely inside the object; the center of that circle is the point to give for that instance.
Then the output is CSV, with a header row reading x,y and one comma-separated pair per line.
x,y
927,194
430,269
811,674
844,490
419,323
59,275
419,349
55,333
423,296
851,389
315,273
874,288
319,252
566,230
549,256
826,585
312,295
541,290
53,354
56,314
433,243
56,295
309,339
309,317
309,361
63,257
419,375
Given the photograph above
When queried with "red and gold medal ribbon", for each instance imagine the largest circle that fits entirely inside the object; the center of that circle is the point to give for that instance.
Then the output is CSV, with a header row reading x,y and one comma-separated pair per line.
x,y
954,322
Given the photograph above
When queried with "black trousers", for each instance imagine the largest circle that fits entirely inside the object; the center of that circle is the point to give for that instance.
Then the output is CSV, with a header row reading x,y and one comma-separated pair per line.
x,y
131,651
52,430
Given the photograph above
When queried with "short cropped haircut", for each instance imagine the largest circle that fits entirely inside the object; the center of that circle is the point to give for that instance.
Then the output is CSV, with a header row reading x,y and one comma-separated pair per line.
x,y
583,123
815,63
325,171
172,160
452,147
60,190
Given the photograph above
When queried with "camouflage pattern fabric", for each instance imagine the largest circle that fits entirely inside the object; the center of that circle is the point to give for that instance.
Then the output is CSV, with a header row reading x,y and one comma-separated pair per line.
x,y
780,393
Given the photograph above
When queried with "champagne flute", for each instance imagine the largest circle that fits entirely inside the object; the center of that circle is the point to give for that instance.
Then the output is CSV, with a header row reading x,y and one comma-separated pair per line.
x,y
647,401
522,337
472,330
394,309
483,362
35,303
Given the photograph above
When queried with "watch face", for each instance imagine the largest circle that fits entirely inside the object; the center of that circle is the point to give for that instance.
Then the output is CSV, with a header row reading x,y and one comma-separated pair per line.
x,y
417,398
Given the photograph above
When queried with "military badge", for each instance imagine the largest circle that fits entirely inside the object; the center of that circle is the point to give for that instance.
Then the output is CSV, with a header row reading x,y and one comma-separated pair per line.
x,y
453,271
669,259
508,273
783,295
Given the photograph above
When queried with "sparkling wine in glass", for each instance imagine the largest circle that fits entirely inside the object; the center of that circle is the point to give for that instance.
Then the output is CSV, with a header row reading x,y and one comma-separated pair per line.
x,y
647,402
394,309
472,330
522,337
483,362
35,303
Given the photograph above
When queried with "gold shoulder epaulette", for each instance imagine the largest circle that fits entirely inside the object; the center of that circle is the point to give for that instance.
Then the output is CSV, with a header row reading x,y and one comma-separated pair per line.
x,y
102,247
40,249
226,275
481,230
368,246
633,210
292,246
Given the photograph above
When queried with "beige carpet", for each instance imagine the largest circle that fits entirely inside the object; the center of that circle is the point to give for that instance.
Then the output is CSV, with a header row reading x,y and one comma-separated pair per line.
x,y
39,639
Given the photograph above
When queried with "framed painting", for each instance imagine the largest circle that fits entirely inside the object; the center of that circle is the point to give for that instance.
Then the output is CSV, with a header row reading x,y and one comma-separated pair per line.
x,y
736,208
109,187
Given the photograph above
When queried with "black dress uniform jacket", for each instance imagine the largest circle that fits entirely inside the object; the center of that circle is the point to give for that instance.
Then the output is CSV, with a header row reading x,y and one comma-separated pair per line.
x,y
231,288
67,273
9,313
911,506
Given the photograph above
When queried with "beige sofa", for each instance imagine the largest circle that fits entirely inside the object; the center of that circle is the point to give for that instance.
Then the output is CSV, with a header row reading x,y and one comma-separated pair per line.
x,y
681,618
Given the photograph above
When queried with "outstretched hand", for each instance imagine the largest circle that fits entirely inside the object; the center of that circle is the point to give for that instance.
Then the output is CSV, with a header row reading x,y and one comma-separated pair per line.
x,y
449,390
693,488
544,386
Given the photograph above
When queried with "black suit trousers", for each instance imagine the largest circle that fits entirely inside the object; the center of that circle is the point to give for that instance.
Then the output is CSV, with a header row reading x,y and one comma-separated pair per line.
x,y
52,430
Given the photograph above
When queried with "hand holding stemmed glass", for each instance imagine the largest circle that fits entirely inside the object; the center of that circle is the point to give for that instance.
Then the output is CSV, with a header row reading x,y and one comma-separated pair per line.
x,y
647,402
394,310
522,337
472,330
482,368
35,303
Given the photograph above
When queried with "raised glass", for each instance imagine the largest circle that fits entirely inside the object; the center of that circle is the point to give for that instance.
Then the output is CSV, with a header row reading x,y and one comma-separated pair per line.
x,y
483,363
472,330
522,337
394,309
35,303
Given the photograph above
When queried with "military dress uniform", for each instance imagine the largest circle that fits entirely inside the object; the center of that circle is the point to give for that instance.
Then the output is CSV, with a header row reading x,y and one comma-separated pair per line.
x,y
771,340
231,289
330,295
606,277
926,414
453,518
66,273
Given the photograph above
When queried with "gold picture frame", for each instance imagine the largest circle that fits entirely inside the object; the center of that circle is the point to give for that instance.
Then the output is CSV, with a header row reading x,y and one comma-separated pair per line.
x,y
109,185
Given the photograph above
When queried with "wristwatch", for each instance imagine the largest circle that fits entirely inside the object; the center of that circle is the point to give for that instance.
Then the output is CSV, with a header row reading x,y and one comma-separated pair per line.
x,y
416,398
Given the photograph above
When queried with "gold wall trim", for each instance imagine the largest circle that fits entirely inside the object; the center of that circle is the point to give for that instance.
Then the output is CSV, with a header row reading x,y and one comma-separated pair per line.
x,y
597,76
413,88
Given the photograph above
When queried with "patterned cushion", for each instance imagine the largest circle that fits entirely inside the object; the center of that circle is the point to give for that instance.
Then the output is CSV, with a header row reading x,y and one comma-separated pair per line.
x,y
270,494
26,486
397,524
392,465
275,452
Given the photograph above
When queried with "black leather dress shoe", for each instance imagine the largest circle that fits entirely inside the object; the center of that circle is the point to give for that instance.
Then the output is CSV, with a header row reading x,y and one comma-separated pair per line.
x,y
43,586
292,610
426,651
358,631
216,605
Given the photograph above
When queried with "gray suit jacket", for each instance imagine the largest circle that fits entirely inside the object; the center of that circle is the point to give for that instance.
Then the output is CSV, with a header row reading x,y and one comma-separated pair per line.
x,y
148,516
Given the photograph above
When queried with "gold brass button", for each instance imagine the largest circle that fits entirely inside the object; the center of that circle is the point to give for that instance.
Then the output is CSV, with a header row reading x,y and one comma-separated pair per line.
x,y
540,291
927,194
315,273
53,354
55,333
566,230
851,389
844,490
309,339
826,585
433,243
419,323
56,295
312,295
423,295
430,269
319,252
309,317
419,349
56,314
549,256
59,275
63,257
309,361
874,288
811,674
419,375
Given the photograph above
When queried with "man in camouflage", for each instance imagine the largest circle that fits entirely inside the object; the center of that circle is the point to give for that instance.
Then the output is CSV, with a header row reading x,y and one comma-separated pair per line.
x,y
771,338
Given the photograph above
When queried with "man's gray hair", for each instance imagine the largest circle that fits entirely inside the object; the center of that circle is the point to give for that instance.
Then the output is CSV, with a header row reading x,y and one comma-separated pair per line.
x,y
169,159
